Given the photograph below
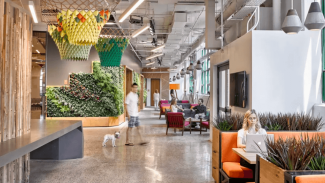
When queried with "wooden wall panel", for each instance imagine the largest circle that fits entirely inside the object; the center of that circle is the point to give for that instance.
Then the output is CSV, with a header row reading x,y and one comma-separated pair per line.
x,y
15,85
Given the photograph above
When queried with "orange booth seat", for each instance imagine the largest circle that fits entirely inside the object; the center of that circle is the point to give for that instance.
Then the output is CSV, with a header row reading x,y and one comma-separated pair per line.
x,y
230,161
310,179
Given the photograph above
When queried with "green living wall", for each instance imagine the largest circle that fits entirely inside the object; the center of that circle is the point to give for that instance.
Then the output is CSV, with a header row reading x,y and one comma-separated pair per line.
x,y
99,94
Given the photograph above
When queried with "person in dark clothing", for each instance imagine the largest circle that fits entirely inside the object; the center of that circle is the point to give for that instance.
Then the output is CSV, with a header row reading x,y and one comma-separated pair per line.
x,y
199,109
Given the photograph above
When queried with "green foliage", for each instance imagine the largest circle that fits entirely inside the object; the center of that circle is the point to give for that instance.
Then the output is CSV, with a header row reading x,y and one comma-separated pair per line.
x,y
273,127
223,126
317,163
90,95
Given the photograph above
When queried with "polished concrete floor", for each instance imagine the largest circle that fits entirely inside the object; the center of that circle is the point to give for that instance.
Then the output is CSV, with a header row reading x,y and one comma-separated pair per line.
x,y
172,159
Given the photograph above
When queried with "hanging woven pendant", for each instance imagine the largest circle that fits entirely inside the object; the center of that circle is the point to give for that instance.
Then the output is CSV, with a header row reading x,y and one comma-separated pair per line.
x,y
67,50
83,28
110,51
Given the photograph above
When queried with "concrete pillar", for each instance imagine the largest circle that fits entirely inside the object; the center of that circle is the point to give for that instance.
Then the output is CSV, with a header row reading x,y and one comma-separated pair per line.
x,y
210,25
276,14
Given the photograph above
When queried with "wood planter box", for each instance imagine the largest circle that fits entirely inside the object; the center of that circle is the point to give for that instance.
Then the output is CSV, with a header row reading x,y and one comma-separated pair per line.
x,y
95,121
268,172
216,154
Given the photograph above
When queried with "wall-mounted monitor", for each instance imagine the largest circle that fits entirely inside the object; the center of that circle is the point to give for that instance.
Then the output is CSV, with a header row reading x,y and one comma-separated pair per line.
x,y
238,89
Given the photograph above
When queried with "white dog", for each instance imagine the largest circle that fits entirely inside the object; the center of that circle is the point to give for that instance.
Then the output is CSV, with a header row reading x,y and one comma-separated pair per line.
x,y
112,137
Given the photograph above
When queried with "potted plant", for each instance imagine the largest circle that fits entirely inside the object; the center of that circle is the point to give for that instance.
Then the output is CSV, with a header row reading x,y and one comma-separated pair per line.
x,y
291,157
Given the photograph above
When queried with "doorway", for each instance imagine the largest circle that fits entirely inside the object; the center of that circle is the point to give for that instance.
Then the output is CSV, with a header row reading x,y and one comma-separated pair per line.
x,y
155,84
223,89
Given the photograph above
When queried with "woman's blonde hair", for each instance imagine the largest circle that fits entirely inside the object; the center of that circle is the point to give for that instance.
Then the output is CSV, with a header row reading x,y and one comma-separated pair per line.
x,y
245,123
156,91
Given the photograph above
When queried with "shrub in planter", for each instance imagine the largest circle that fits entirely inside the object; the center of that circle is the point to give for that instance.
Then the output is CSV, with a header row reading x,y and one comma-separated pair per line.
x,y
293,157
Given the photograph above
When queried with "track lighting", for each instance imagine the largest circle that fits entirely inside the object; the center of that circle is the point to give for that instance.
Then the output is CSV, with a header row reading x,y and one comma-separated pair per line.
x,y
139,31
32,11
154,56
135,4
150,63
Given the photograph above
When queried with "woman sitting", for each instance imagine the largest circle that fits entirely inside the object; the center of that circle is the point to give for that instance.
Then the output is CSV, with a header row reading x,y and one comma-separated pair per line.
x,y
251,125
174,107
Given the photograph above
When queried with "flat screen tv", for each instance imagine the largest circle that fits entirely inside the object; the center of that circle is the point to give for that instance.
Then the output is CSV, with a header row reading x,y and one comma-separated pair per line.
x,y
238,89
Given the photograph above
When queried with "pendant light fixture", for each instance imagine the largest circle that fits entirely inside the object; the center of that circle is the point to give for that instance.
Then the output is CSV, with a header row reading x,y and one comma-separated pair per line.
x,y
191,67
292,23
198,65
174,78
188,71
315,19
178,76
182,72
170,79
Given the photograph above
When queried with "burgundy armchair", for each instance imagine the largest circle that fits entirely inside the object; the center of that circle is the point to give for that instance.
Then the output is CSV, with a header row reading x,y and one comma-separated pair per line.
x,y
176,120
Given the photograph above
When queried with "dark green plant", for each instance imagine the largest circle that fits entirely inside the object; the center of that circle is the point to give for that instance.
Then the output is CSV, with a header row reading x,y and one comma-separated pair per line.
x,y
145,92
234,122
224,126
273,127
318,162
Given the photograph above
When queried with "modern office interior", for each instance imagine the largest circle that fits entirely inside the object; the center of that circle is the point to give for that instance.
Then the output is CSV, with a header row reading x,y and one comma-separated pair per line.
x,y
172,91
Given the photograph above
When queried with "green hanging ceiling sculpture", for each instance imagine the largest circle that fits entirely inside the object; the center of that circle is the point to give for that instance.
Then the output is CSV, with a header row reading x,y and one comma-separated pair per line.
x,y
67,50
110,51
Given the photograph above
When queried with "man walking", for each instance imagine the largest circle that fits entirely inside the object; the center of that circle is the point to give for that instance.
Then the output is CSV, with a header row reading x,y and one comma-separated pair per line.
x,y
133,115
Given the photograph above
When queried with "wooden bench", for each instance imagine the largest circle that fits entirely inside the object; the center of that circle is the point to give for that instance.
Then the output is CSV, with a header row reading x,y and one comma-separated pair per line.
x,y
47,140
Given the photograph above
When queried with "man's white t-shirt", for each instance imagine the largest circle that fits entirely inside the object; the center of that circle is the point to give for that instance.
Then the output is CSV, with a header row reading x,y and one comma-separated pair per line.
x,y
132,104
242,134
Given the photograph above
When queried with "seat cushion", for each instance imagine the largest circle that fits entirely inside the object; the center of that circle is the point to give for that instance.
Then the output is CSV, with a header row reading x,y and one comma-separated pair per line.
x,y
185,105
234,170
165,107
187,123
163,101
205,124
310,179
229,141
185,101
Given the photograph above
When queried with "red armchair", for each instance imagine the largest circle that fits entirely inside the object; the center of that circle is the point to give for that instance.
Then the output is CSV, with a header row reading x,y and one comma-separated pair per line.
x,y
176,120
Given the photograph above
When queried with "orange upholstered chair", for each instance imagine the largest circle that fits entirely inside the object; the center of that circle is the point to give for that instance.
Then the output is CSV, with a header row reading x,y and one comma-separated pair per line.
x,y
231,170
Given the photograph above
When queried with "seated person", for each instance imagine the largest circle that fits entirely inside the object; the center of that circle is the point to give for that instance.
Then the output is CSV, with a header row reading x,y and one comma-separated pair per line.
x,y
174,107
251,125
199,109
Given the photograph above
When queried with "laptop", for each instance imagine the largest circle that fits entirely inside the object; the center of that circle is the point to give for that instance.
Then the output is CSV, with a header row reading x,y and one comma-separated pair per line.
x,y
256,143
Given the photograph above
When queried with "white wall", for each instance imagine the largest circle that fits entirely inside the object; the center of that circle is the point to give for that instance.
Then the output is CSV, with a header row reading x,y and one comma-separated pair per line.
x,y
286,71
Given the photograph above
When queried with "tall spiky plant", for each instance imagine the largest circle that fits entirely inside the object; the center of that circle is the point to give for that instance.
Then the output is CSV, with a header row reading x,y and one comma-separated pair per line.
x,y
318,162
291,153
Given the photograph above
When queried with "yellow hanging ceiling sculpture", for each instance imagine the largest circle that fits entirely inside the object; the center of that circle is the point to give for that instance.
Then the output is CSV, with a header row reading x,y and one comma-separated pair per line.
x,y
83,28
67,50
